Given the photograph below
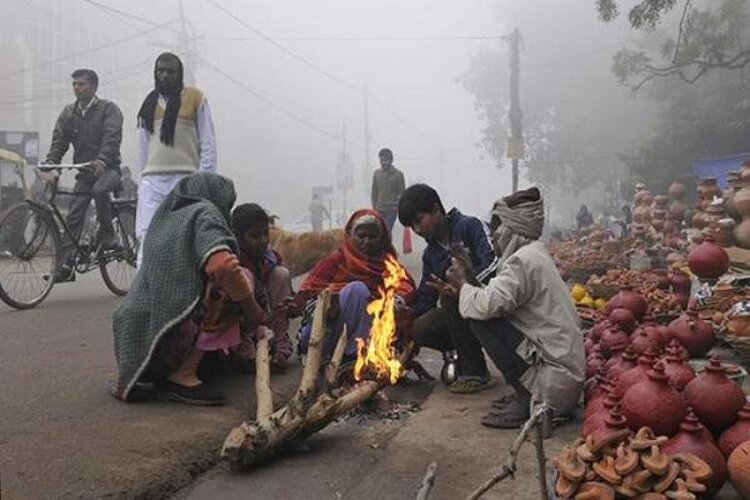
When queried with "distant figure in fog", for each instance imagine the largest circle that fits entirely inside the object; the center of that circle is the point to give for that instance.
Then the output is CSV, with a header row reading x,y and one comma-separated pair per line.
x,y
584,217
387,187
318,211
129,186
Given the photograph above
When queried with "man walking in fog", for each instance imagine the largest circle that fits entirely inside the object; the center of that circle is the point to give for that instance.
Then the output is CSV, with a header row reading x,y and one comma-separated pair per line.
x,y
317,212
387,187
175,139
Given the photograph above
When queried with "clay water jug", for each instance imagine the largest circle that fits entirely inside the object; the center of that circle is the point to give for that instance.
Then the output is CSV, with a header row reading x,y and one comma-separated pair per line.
x,y
639,373
596,416
678,370
715,399
623,318
695,335
738,433
628,298
628,360
593,363
654,403
708,260
613,339
735,184
739,469
680,282
677,190
678,350
647,337
691,438
614,423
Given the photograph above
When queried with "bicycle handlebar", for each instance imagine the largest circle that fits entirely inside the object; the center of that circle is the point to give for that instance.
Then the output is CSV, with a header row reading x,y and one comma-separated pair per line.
x,y
63,166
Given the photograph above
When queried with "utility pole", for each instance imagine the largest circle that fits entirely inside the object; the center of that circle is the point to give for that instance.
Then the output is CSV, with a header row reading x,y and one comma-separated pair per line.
x,y
186,43
515,141
367,173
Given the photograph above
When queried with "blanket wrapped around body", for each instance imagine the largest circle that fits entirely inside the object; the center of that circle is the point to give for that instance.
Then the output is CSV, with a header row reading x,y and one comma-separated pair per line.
x,y
192,223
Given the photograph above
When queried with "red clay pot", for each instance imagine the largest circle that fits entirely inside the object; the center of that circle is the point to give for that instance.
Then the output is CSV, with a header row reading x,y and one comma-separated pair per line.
x,y
680,282
715,399
678,350
613,339
678,370
628,298
691,439
648,337
615,422
654,403
739,469
628,360
623,319
696,335
593,363
737,433
708,260
637,374
595,415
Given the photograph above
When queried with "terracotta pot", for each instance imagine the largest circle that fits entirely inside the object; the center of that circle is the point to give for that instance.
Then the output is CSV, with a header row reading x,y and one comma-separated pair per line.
x,y
708,260
691,439
654,403
628,298
623,319
680,282
695,335
696,220
674,348
678,370
742,233
677,210
742,200
614,423
646,338
715,399
677,190
597,387
593,363
738,467
738,433
707,188
613,339
637,374
615,355
595,415
628,360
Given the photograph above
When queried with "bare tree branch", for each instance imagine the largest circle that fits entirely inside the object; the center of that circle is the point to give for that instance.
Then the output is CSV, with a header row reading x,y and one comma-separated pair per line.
x,y
680,32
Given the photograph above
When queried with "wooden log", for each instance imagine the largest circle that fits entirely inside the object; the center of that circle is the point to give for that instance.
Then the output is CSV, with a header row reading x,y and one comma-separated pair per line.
x,y
314,351
264,406
332,370
428,481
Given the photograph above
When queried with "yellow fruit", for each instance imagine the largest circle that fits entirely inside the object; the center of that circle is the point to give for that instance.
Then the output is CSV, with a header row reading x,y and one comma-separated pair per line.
x,y
578,292
600,303
587,301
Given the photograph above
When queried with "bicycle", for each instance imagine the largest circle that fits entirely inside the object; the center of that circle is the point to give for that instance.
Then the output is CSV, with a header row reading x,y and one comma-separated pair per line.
x,y
31,235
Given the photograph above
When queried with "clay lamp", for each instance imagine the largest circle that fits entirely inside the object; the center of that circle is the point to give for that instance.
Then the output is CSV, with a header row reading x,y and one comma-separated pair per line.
x,y
593,490
691,439
737,433
695,335
715,399
628,360
639,372
654,403
570,465
678,370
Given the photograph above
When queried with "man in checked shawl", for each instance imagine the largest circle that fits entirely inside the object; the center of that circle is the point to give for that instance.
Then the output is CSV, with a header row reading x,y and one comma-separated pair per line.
x,y
187,298
523,317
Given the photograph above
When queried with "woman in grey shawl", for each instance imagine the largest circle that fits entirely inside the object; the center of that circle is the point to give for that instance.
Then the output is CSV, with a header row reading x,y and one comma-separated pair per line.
x,y
523,317
163,322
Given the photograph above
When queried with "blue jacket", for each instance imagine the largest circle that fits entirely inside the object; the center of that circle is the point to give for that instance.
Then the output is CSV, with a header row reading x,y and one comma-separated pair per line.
x,y
464,230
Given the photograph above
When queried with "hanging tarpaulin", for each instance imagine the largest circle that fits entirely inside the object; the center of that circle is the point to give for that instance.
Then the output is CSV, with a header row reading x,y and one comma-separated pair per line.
x,y
719,166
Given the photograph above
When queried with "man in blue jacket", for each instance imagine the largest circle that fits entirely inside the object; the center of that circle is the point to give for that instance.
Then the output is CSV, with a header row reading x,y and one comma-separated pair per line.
x,y
438,324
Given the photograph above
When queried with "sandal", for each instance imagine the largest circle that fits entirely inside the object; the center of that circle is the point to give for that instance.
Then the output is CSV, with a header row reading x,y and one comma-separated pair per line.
x,y
504,401
198,395
513,416
470,385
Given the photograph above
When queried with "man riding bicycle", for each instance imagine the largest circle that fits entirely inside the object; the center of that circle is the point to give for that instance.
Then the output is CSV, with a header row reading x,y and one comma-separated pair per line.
x,y
94,127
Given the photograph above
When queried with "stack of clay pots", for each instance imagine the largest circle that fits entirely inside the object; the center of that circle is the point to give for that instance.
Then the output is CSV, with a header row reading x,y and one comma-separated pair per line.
x,y
741,205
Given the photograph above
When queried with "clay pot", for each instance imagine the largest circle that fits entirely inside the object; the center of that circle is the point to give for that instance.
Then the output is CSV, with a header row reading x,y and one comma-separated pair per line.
x,y
654,403
677,210
742,234
614,339
691,439
593,363
695,335
637,374
596,331
615,422
738,433
715,399
628,298
595,415
646,337
628,360
738,467
707,188
677,190
678,370
680,282
708,260
598,387
623,319
674,348
742,200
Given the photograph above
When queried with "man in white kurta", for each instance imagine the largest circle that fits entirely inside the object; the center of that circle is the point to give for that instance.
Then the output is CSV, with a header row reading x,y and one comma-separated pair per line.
x,y
171,145
524,318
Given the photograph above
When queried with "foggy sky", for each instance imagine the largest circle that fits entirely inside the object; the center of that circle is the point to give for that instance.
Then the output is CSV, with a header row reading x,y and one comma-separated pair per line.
x,y
418,107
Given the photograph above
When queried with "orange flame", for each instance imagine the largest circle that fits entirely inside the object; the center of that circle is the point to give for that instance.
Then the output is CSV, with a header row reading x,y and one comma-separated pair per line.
x,y
379,356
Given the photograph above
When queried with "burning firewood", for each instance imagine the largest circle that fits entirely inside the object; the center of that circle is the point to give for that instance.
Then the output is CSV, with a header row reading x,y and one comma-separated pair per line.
x,y
315,405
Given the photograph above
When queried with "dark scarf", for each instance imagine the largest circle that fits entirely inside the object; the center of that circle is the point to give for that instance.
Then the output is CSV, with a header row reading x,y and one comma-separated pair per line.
x,y
172,96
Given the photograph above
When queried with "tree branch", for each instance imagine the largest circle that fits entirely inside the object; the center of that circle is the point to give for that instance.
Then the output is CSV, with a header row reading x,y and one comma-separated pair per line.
x,y
685,10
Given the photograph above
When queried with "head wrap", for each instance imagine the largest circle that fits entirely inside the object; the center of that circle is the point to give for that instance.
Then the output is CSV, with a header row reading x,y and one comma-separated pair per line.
x,y
521,217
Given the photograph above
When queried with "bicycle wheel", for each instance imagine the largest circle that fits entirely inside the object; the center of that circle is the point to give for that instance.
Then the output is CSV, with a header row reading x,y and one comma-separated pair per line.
x,y
118,270
29,249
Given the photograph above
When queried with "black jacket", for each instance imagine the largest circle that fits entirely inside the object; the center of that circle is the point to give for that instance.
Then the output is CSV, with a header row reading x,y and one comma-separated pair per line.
x,y
95,136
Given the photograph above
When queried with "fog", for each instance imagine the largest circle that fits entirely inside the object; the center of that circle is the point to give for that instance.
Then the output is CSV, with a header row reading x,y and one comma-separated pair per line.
x,y
281,106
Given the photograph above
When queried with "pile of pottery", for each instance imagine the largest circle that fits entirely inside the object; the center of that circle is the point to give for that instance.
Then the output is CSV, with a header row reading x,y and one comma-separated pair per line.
x,y
665,292
622,464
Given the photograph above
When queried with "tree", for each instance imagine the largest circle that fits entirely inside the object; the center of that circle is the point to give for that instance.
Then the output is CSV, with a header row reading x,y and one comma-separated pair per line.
x,y
708,39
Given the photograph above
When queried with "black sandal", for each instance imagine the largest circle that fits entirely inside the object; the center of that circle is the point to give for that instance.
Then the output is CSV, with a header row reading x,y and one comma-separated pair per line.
x,y
504,401
198,395
513,416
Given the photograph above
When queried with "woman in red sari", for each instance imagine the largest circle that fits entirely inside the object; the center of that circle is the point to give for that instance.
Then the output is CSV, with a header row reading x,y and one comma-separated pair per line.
x,y
354,271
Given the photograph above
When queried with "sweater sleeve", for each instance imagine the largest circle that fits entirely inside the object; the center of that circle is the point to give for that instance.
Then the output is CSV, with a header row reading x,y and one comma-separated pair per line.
x,y
502,296
60,139
109,152
207,138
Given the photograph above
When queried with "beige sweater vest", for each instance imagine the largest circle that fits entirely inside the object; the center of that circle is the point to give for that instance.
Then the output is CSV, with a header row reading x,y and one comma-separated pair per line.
x,y
184,155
